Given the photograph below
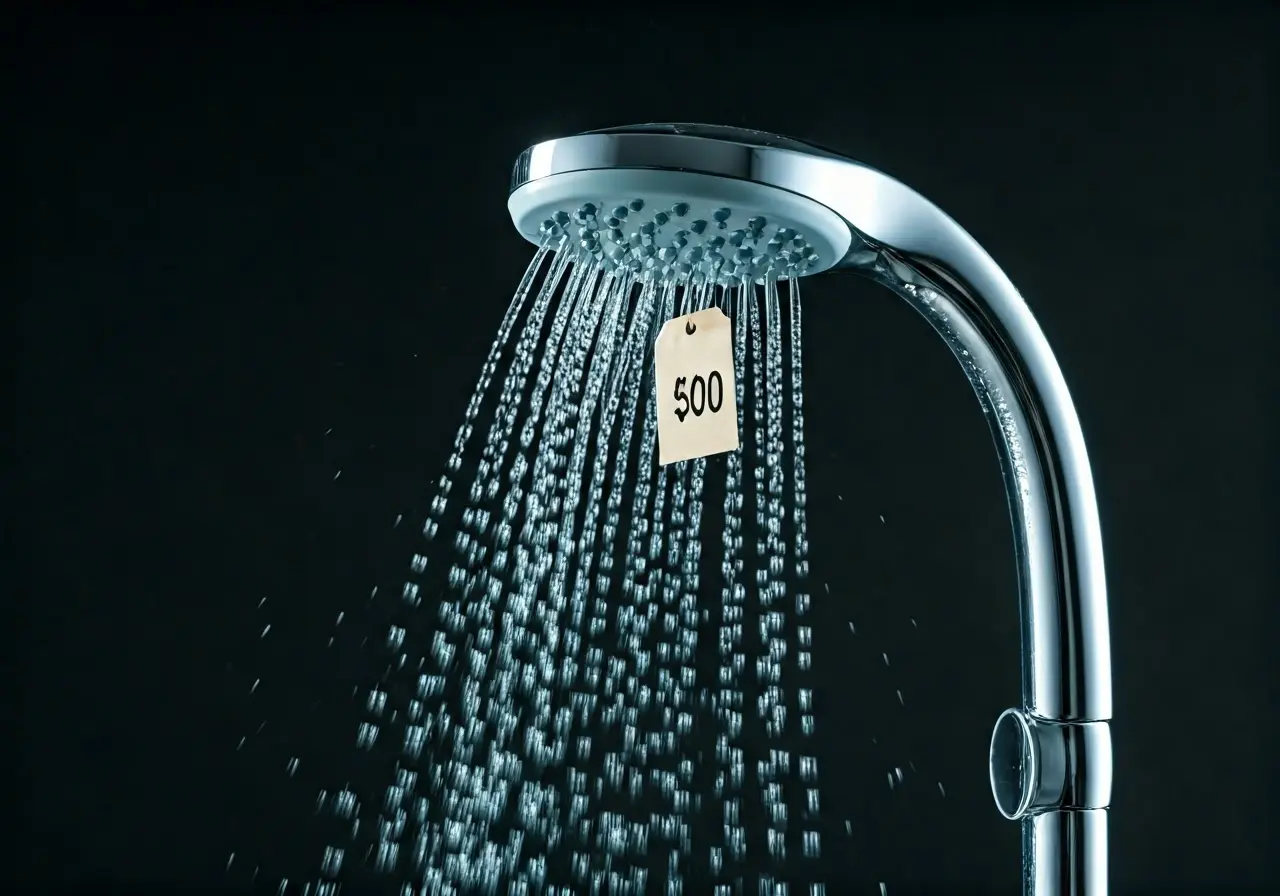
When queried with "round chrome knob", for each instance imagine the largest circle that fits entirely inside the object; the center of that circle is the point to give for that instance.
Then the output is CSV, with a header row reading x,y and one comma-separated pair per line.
x,y
1037,765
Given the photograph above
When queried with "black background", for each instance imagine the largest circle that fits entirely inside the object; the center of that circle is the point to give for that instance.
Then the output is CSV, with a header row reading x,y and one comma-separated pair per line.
x,y
258,250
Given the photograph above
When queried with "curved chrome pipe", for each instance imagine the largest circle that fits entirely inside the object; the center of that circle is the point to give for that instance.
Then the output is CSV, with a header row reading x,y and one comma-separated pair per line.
x,y
1050,759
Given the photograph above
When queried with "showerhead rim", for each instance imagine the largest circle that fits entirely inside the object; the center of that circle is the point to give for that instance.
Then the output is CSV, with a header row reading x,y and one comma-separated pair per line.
x,y
654,145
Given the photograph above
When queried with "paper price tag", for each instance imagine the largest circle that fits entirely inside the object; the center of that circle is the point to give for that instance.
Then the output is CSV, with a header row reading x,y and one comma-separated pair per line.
x,y
693,367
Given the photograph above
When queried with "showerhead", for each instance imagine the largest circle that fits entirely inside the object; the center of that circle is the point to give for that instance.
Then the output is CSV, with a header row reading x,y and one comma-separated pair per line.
x,y
718,202
681,202
701,204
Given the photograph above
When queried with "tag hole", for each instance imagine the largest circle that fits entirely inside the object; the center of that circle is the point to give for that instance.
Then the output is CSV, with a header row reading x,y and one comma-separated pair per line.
x,y
690,327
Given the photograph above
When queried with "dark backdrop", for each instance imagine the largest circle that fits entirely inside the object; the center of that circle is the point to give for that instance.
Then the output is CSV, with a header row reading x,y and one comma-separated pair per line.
x,y
259,250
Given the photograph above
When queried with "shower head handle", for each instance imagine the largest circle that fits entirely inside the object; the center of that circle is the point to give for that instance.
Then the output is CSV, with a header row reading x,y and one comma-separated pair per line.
x,y
1050,760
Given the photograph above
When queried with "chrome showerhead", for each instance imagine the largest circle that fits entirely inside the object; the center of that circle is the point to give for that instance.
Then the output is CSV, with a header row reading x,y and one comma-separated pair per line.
x,y
689,219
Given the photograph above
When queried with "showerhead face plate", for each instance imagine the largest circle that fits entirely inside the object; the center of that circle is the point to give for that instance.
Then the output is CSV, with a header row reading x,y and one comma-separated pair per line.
x,y
681,225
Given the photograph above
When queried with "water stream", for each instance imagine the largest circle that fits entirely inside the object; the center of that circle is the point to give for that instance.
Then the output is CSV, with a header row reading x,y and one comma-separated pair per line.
x,y
595,692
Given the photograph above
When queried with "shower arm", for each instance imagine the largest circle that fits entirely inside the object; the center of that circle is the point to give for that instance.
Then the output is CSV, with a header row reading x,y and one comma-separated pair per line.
x,y
1050,760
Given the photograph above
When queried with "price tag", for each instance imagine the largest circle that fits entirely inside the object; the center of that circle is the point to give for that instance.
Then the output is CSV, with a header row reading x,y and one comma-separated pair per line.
x,y
697,408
